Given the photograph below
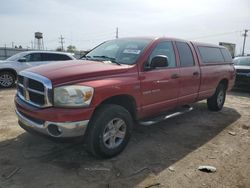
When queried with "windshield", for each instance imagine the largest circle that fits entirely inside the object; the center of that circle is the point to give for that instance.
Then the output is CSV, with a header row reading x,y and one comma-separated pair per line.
x,y
15,57
120,51
242,61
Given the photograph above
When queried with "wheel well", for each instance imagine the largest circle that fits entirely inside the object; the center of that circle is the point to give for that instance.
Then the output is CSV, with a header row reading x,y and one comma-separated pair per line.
x,y
224,82
126,101
10,70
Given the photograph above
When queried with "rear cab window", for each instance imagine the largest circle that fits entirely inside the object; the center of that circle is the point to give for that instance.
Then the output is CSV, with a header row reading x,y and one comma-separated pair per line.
x,y
226,54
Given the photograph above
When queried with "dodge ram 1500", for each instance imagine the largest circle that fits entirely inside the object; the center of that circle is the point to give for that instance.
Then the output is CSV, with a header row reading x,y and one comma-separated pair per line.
x,y
118,83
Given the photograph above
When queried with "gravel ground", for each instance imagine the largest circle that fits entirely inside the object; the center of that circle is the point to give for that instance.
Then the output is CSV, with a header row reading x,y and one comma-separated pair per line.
x,y
164,155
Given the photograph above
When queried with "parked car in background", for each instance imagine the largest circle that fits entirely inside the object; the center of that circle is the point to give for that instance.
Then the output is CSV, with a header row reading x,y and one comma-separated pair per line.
x,y
10,67
242,66
118,83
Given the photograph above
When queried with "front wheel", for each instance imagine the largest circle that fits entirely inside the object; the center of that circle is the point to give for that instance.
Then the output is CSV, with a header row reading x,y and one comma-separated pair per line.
x,y
216,102
7,79
109,131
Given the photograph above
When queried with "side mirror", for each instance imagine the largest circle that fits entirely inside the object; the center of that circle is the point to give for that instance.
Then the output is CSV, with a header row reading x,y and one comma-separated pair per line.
x,y
22,59
159,61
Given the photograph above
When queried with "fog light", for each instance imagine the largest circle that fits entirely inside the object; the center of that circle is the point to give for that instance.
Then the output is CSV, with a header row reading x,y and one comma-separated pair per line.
x,y
54,130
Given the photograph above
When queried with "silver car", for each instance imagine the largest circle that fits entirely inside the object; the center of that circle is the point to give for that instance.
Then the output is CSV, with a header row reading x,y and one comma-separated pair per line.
x,y
10,67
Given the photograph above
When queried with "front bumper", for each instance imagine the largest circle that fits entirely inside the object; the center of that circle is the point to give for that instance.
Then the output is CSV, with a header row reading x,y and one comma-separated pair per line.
x,y
242,81
55,122
54,129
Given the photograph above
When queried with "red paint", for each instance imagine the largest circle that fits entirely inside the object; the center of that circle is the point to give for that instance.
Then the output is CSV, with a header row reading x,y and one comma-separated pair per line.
x,y
154,91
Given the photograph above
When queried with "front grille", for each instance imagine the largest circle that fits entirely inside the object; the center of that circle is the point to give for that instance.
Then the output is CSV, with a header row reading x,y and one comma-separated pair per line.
x,y
34,89
243,70
37,98
20,79
33,84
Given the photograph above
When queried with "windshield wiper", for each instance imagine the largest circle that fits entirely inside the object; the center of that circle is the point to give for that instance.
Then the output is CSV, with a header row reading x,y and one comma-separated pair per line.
x,y
112,59
86,57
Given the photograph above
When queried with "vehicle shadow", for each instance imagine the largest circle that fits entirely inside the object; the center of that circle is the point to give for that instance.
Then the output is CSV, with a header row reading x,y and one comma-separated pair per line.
x,y
8,89
150,151
240,92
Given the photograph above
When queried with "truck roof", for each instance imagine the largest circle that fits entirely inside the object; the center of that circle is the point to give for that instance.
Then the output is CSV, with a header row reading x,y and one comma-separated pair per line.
x,y
207,44
177,39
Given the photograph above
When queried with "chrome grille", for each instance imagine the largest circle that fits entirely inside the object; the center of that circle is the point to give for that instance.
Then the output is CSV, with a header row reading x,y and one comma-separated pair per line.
x,y
243,70
34,89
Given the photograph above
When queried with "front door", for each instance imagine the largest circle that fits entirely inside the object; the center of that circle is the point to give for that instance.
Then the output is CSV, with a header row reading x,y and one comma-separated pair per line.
x,y
160,86
33,59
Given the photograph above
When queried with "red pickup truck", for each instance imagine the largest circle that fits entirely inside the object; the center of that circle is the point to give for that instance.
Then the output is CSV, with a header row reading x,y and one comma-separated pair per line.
x,y
119,83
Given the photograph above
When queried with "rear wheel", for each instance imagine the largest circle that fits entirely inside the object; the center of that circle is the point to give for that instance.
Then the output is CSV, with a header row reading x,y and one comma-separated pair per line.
x,y
109,131
7,79
216,102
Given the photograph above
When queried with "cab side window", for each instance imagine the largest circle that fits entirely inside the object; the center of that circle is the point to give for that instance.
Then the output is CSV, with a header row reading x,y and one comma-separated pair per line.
x,y
33,57
185,53
211,54
166,49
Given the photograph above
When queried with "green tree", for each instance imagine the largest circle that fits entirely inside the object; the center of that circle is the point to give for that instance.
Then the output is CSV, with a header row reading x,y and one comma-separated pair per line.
x,y
59,49
71,48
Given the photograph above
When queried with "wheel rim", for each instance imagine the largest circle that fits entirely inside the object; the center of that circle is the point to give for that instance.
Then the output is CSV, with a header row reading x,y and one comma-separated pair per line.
x,y
6,80
114,133
220,98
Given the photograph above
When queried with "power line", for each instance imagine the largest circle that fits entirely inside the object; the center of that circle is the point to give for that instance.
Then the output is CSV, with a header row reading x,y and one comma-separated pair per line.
x,y
102,36
215,35
95,39
51,41
32,46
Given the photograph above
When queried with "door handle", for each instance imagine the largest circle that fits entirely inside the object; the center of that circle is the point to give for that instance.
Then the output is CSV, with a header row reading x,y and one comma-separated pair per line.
x,y
196,73
175,76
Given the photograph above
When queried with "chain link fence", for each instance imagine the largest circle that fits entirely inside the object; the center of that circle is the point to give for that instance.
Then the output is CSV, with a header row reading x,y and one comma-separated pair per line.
x,y
6,52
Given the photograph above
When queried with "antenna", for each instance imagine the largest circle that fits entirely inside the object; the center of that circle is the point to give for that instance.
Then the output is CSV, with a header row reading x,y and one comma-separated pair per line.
x,y
117,33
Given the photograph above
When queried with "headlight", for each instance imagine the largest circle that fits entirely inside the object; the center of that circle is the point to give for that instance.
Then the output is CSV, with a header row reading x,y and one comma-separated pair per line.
x,y
73,96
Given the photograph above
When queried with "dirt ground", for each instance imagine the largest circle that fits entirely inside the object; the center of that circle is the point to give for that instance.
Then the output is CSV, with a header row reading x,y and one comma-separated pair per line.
x,y
164,155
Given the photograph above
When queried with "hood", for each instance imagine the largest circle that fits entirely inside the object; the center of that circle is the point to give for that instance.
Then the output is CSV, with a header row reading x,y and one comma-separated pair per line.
x,y
4,63
242,67
68,71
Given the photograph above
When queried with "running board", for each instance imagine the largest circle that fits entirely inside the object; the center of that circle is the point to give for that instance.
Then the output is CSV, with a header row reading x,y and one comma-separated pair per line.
x,y
158,119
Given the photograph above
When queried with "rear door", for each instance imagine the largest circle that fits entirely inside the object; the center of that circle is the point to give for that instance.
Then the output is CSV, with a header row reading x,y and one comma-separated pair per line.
x,y
189,73
50,57
160,86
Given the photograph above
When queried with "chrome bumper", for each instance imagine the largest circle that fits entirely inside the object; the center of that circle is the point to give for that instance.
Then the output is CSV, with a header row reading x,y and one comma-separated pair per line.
x,y
55,129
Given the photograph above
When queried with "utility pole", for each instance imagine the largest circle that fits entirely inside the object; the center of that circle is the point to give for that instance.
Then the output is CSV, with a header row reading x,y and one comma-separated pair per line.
x,y
244,41
117,33
32,47
5,51
61,41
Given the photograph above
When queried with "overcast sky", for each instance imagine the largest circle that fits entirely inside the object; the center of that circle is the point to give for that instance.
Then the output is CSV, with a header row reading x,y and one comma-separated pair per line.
x,y
85,23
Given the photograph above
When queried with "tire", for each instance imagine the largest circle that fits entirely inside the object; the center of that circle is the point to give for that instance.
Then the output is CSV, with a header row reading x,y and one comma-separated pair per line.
x,y
109,131
7,79
216,102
